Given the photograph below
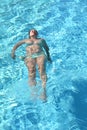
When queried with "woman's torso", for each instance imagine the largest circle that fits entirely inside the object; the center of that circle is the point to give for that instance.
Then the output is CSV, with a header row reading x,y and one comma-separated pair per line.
x,y
34,47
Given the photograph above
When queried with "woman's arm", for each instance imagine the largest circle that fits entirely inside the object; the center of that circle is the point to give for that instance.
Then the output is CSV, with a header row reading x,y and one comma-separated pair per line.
x,y
46,48
16,46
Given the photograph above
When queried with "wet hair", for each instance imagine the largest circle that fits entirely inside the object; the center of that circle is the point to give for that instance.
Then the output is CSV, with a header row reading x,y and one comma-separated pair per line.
x,y
36,32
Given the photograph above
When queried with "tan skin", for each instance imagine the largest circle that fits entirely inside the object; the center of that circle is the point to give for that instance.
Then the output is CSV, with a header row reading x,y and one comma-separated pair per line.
x,y
36,47
33,39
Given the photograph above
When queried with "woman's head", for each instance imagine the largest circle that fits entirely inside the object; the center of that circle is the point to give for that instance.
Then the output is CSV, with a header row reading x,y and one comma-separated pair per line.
x,y
33,33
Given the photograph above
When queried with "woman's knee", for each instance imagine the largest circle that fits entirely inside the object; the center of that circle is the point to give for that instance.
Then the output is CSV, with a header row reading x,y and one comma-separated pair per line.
x,y
41,68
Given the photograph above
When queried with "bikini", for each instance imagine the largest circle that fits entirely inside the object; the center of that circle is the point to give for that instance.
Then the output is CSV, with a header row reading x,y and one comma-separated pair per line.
x,y
35,55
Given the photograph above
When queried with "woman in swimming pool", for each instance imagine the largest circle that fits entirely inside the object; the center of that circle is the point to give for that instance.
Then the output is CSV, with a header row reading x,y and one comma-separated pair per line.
x,y
37,54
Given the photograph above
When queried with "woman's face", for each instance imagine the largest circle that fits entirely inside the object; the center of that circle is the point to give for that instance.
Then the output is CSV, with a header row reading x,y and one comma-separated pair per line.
x,y
33,33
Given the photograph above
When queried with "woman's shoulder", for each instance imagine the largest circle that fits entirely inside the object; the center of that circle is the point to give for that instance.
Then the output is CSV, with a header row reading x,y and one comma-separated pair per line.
x,y
41,40
27,40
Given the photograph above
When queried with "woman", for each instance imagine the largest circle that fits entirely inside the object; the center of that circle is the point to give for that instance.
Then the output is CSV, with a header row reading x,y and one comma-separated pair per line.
x,y
37,54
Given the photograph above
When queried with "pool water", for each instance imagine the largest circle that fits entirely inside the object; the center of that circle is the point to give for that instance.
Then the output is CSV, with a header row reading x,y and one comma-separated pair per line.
x,y
63,24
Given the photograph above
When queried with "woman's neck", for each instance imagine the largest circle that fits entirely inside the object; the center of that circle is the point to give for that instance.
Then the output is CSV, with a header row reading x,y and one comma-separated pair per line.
x,y
33,37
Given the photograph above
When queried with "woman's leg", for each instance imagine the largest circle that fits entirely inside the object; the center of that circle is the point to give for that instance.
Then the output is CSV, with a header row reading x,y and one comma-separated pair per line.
x,y
41,61
31,64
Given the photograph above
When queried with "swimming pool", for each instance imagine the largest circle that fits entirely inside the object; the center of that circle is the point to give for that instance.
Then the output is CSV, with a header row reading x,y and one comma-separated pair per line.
x,y
63,23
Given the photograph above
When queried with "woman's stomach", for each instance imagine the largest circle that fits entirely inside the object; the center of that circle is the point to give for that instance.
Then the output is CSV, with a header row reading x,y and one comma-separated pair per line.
x,y
33,49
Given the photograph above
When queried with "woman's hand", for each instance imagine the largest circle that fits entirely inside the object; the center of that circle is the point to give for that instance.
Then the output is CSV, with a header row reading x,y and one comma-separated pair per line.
x,y
13,55
49,59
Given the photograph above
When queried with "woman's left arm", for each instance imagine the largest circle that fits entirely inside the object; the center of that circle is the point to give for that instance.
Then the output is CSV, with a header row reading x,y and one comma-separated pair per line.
x,y
46,48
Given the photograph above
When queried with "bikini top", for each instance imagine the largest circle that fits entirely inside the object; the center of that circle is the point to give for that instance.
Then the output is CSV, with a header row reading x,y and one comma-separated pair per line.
x,y
40,45
29,44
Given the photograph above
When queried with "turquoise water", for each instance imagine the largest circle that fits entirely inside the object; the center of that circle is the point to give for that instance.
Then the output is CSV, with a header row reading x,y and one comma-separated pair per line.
x,y
63,24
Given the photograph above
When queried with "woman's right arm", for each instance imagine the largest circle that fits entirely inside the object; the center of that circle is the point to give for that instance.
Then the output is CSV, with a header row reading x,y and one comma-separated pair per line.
x,y
16,46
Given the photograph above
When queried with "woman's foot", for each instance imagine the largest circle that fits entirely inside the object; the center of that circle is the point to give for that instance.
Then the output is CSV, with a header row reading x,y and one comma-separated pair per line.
x,y
43,95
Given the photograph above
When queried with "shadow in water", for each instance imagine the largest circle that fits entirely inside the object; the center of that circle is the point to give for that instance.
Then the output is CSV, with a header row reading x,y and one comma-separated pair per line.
x,y
80,102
